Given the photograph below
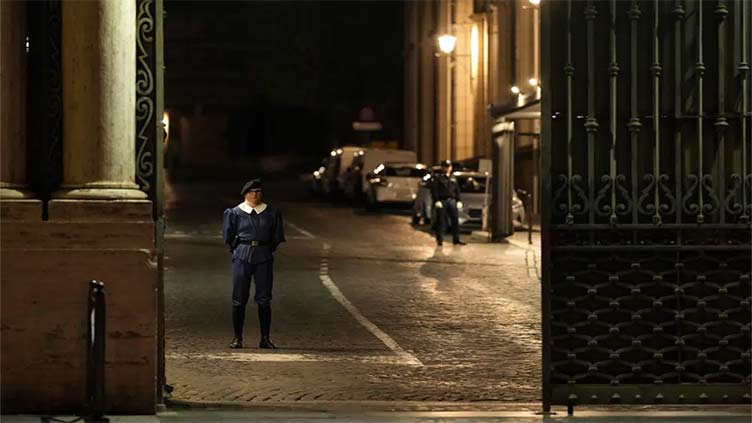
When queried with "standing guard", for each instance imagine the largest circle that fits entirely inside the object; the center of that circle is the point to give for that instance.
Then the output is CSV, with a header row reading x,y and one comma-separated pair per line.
x,y
446,193
252,230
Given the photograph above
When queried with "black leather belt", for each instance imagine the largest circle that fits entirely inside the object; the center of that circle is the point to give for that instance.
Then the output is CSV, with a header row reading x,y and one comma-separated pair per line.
x,y
254,243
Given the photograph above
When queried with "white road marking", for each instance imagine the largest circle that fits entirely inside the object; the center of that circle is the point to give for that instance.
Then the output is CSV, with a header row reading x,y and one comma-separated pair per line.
x,y
288,358
301,230
404,356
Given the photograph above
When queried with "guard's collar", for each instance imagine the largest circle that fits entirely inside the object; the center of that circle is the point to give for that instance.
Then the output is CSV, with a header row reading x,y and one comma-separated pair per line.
x,y
246,208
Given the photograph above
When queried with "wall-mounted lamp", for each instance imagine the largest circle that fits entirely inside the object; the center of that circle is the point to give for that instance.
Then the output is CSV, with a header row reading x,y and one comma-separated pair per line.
x,y
447,43
515,90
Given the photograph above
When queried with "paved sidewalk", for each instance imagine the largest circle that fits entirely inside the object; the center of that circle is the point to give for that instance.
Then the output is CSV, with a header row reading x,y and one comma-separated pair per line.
x,y
690,414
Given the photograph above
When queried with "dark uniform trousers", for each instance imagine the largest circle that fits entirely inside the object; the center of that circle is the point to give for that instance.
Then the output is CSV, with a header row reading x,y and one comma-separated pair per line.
x,y
447,212
263,278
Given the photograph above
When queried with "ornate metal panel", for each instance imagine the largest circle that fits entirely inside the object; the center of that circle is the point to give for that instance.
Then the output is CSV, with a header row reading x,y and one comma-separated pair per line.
x,y
149,103
648,195
149,86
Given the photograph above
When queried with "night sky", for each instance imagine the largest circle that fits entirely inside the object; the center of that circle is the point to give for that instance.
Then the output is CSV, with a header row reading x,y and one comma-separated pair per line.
x,y
284,71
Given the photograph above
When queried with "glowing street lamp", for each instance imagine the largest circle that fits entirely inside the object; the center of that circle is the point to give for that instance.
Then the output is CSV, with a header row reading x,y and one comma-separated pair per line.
x,y
447,43
515,90
533,82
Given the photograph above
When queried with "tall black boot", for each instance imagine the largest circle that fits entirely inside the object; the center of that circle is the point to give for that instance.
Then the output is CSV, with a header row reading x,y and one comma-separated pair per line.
x,y
238,318
265,321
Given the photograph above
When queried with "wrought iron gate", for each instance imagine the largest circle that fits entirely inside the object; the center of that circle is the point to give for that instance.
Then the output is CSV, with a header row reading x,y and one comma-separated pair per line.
x,y
150,136
647,197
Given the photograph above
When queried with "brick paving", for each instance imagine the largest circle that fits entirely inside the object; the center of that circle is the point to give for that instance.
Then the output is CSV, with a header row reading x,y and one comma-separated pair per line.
x,y
469,314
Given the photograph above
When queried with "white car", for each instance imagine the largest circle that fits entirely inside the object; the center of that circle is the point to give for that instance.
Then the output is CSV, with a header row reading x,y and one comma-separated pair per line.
x,y
476,198
394,183
366,161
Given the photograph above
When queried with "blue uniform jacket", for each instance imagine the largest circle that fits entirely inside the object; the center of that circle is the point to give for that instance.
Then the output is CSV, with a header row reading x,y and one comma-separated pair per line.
x,y
266,227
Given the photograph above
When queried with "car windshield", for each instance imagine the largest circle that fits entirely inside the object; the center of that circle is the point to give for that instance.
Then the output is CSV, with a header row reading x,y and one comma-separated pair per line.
x,y
405,171
472,184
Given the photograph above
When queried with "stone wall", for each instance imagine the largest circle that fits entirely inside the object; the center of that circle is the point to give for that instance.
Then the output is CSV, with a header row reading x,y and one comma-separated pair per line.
x,y
45,269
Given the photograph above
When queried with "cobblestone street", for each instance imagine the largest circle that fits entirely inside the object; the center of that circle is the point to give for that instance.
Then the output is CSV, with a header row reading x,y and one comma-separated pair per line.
x,y
366,308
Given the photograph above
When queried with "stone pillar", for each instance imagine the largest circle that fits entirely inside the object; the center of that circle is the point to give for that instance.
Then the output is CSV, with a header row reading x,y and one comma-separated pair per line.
x,y
13,100
427,89
412,63
99,97
444,87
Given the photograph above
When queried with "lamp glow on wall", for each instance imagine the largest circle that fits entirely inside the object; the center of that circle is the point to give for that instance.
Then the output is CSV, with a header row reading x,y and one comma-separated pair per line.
x,y
474,51
447,43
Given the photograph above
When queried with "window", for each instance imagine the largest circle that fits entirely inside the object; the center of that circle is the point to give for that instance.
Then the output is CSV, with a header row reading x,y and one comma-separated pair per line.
x,y
408,172
472,184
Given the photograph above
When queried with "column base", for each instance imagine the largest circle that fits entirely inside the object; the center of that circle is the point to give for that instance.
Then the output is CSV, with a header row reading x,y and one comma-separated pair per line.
x,y
100,191
10,192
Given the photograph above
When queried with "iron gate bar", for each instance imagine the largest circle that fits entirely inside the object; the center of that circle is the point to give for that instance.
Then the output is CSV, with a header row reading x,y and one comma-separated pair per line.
x,y
743,70
613,71
634,124
656,70
721,12
546,29
699,74
591,123
678,112
569,71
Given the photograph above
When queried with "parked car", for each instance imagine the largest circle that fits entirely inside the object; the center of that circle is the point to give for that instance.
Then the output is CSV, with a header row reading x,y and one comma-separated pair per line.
x,y
475,195
365,162
476,198
337,165
394,183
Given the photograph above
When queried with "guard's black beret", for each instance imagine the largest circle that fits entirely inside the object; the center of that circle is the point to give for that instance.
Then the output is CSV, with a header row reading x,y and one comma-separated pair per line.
x,y
252,185
446,163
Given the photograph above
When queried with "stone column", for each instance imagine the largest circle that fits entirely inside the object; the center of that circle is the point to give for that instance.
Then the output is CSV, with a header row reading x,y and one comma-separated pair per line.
x,y
427,90
13,100
99,97
444,85
412,78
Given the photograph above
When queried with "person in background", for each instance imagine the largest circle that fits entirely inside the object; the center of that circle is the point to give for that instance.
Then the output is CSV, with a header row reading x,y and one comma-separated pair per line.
x,y
445,191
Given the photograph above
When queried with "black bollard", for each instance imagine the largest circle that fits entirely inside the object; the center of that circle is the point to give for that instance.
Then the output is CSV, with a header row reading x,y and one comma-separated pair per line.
x,y
95,343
